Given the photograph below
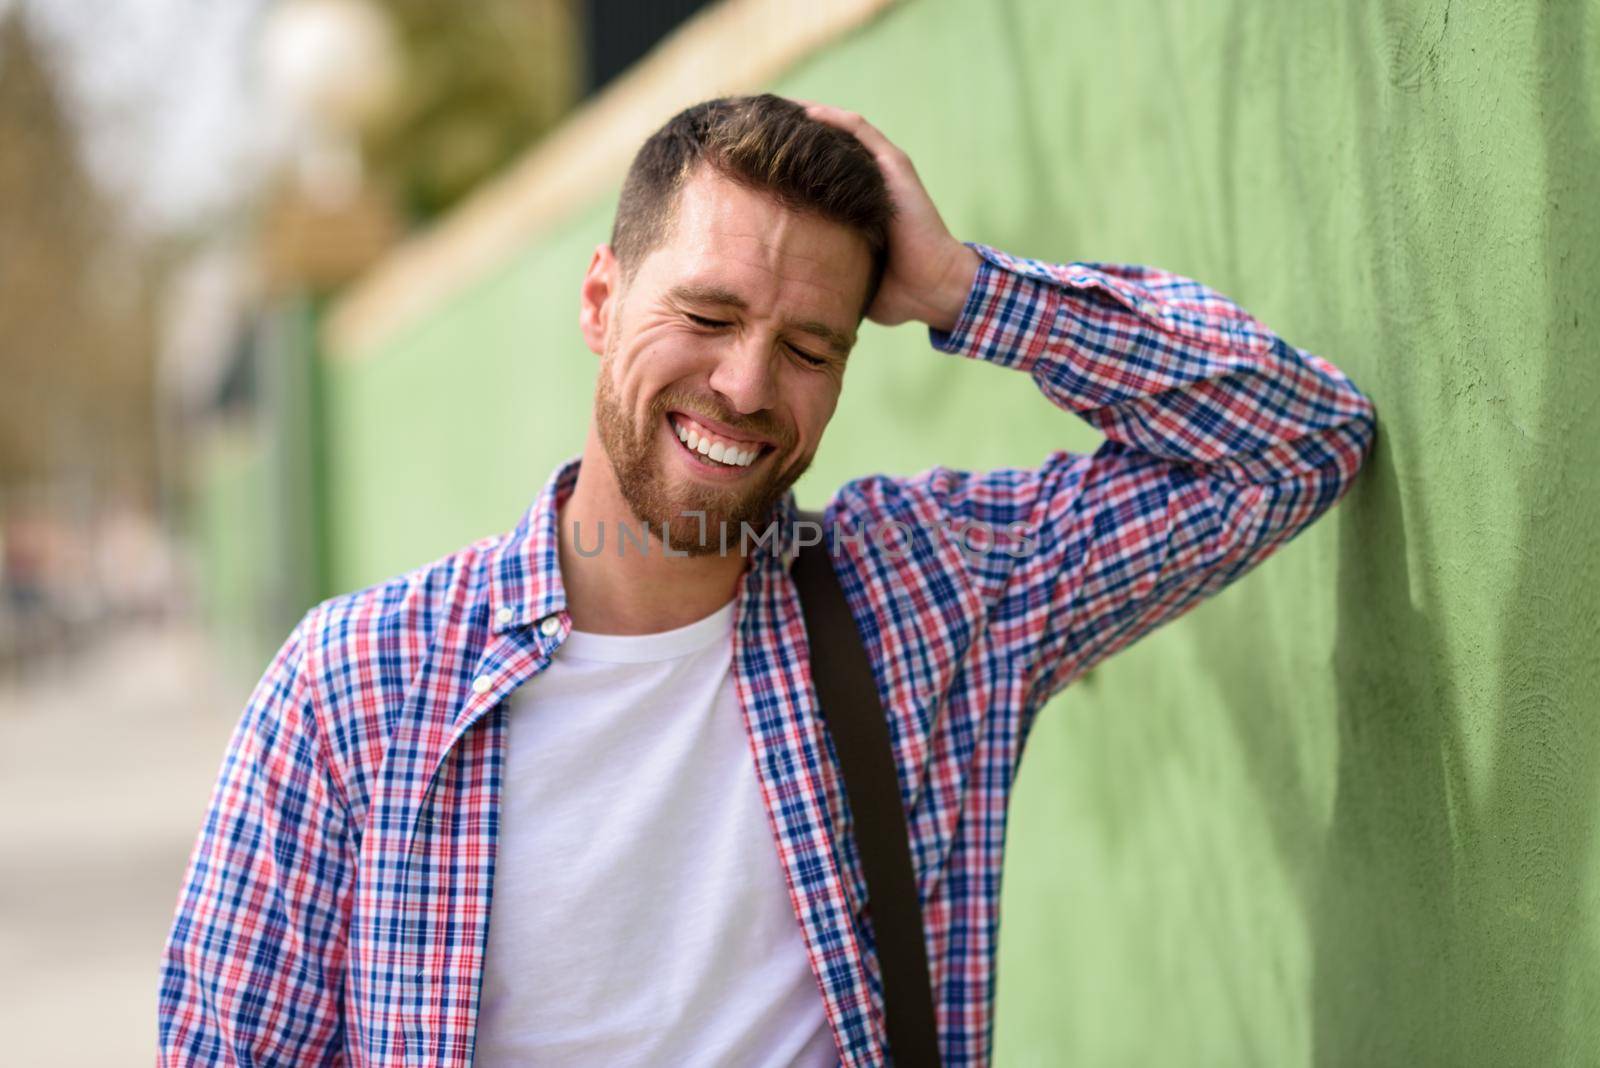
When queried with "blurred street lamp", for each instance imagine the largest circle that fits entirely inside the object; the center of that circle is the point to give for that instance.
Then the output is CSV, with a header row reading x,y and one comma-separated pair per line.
x,y
331,72
332,68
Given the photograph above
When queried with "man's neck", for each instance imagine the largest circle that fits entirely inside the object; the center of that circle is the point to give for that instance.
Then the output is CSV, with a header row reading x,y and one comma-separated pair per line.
x,y
633,591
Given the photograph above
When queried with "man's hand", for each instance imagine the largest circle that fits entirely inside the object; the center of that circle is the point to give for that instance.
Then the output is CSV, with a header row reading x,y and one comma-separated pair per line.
x,y
929,272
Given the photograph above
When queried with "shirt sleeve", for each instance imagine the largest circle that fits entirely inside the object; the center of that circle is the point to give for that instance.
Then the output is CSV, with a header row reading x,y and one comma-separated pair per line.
x,y
252,969
1222,442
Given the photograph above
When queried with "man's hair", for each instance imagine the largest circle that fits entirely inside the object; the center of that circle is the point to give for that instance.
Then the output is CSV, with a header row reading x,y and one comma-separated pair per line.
x,y
769,145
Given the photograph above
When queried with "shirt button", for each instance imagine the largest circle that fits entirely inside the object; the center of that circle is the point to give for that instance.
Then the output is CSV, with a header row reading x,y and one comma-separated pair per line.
x,y
504,615
481,684
550,626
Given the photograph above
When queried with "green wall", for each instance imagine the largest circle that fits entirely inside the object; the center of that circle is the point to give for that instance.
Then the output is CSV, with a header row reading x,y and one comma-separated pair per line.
x,y
1347,812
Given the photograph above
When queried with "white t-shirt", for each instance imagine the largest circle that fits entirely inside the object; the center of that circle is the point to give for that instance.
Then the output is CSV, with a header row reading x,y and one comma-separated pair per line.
x,y
639,913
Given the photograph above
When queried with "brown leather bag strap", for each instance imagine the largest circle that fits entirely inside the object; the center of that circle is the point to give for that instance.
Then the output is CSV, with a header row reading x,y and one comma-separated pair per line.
x,y
854,715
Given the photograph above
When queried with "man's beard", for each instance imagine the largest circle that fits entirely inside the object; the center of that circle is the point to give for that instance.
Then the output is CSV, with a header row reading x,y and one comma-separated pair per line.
x,y
636,460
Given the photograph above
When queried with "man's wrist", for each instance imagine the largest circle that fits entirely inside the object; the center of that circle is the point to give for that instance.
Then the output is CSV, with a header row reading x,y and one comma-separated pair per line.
x,y
950,297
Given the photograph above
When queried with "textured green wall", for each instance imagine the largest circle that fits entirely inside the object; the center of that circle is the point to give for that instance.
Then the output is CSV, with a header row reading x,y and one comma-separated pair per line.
x,y
1348,812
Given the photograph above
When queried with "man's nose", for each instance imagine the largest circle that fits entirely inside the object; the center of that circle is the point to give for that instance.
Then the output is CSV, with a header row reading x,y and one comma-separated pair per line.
x,y
745,375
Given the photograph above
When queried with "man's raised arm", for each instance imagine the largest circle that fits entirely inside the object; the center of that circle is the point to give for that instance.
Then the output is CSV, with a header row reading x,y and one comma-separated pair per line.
x,y
1223,441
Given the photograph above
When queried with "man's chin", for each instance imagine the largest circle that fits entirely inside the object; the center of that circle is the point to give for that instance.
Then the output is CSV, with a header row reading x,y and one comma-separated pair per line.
x,y
699,525
734,492
701,516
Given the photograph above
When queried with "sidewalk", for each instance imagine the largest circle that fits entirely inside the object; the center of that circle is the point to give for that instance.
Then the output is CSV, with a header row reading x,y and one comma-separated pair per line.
x,y
106,767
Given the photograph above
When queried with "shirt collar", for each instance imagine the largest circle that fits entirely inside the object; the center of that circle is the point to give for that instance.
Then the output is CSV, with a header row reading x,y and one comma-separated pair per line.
x,y
525,569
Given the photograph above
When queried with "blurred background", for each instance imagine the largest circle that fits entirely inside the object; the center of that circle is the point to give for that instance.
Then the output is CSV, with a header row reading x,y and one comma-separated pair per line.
x,y
288,287
183,187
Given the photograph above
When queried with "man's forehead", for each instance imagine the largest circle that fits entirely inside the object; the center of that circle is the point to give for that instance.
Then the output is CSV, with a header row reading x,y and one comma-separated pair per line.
x,y
730,238
720,211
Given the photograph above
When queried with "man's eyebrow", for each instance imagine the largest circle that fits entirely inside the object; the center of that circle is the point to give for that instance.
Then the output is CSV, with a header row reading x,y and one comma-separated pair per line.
x,y
839,342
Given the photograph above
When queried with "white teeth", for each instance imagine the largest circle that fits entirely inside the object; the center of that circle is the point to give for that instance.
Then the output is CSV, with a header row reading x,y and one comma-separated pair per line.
x,y
712,449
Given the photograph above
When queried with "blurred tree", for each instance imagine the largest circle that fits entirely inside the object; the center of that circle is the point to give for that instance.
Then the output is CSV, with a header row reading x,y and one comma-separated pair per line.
x,y
76,349
482,82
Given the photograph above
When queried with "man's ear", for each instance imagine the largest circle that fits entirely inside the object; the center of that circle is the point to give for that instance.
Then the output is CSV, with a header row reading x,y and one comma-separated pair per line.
x,y
599,298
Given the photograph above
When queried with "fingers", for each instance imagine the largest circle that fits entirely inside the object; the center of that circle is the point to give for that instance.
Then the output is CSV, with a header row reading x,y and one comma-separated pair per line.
x,y
868,134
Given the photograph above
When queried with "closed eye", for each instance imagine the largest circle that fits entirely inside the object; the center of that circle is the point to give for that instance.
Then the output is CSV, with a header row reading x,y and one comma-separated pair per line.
x,y
714,323
814,361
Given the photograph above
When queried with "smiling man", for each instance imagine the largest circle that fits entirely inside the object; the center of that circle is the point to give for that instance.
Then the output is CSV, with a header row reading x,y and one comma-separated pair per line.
x,y
565,797
723,346
747,243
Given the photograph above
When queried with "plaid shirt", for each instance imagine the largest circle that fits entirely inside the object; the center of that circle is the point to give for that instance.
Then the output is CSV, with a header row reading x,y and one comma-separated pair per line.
x,y
336,905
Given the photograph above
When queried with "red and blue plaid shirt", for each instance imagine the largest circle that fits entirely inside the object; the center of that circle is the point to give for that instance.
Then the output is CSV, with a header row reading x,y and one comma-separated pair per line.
x,y
336,906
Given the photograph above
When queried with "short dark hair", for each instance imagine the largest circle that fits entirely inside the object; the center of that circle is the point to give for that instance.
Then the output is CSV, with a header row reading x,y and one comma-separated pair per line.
x,y
765,143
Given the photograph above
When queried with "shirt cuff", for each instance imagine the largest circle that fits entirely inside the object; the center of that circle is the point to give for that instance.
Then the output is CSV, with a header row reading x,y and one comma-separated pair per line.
x,y
1007,316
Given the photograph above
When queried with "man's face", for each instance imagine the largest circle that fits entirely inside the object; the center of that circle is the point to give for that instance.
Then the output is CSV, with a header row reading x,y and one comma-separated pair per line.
x,y
722,361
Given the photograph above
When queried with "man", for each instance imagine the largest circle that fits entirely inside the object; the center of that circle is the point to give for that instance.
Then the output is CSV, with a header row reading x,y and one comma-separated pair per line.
x,y
611,735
